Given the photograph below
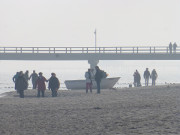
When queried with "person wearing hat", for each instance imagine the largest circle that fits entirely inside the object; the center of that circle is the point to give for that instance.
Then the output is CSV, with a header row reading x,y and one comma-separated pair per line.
x,y
40,84
54,84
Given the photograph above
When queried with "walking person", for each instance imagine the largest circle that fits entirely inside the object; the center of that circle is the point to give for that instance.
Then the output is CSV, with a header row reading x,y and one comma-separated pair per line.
x,y
34,77
88,76
154,77
174,47
170,48
21,84
40,84
146,76
98,77
54,84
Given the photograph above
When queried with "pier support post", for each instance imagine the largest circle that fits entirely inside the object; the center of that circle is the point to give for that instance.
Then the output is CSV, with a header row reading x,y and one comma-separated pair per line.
x,y
93,63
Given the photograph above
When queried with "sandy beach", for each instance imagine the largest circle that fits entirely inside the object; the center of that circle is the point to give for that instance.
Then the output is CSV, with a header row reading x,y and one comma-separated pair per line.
x,y
125,111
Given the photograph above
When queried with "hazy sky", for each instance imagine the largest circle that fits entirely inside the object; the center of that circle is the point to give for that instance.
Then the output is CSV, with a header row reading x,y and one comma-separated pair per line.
x,y
72,22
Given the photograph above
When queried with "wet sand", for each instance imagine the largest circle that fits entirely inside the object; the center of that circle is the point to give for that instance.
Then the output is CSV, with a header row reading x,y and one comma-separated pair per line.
x,y
127,111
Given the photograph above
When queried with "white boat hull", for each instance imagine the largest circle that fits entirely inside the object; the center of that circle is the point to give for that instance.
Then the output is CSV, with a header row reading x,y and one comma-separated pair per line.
x,y
106,83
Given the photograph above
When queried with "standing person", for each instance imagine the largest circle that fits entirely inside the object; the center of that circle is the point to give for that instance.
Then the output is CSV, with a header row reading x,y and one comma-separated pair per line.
x,y
170,48
34,77
54,84
40,83
154,77
135,79
15,77
26,75
138,77
174,47
146,76
98,77
21,84
88,76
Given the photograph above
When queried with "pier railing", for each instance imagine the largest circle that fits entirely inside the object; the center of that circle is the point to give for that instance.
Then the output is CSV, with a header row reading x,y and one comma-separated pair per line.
x,y
113,50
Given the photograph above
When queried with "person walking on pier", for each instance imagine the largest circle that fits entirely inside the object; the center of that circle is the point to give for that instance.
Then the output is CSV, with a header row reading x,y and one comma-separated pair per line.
x,y
54,84
98,77
88,76
34,77
21,84
170,48
174,47
154,77
146,76
40,83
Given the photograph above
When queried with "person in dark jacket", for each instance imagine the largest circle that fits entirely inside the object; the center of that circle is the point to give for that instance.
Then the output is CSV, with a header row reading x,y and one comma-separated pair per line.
x,y
154,76
21,84
146,76
98,77
54,84
40,83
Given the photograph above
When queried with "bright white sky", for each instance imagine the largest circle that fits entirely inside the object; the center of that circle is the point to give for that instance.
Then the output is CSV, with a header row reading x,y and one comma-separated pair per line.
x,y
72,22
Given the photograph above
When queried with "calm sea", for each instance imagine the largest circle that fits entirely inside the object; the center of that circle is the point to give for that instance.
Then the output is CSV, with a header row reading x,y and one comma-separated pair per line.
x,y
168,71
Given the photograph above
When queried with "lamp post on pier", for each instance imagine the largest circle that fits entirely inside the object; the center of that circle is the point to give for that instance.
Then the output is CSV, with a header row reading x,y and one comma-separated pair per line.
x,y
95,38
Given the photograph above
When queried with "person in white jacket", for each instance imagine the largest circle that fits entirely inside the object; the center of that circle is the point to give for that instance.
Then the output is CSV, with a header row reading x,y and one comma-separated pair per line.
x,y
88,76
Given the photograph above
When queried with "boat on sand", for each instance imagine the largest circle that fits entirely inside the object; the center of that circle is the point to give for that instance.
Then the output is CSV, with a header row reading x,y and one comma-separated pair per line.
x,y
106,83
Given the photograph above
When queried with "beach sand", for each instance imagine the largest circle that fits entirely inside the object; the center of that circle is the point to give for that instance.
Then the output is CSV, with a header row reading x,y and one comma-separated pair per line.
x,y
125,111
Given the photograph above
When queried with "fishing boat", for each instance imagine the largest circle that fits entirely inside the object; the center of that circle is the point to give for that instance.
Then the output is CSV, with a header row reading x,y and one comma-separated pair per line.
x,y
106,83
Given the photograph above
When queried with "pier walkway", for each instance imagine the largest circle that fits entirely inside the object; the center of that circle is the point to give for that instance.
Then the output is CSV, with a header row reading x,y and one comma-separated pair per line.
x,y
92,54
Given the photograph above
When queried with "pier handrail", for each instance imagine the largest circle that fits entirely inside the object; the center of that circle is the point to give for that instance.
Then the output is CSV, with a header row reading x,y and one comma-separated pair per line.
x,y
89,50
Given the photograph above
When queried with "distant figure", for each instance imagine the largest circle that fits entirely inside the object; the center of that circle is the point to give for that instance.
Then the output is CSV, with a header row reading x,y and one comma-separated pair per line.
x,y
34,77
88,76
174,47
170,48
21,84
15,77
146,76
40,83
98,77
54,84
26,75
137,79
154,77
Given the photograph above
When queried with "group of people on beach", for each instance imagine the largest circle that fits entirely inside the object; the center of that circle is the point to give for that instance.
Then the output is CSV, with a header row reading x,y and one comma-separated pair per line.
x,y
147,76
38,81
172,48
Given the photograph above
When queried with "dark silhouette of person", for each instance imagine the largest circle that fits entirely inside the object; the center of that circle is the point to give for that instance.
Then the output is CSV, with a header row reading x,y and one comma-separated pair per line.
x,y
40,83
54,84
170,48
34,77
146,76
137,79
98,77
174,47
88,76
21,84
154,77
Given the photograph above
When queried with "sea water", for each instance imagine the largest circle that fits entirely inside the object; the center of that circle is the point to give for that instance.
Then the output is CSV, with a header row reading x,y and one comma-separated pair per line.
x,y
168,71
